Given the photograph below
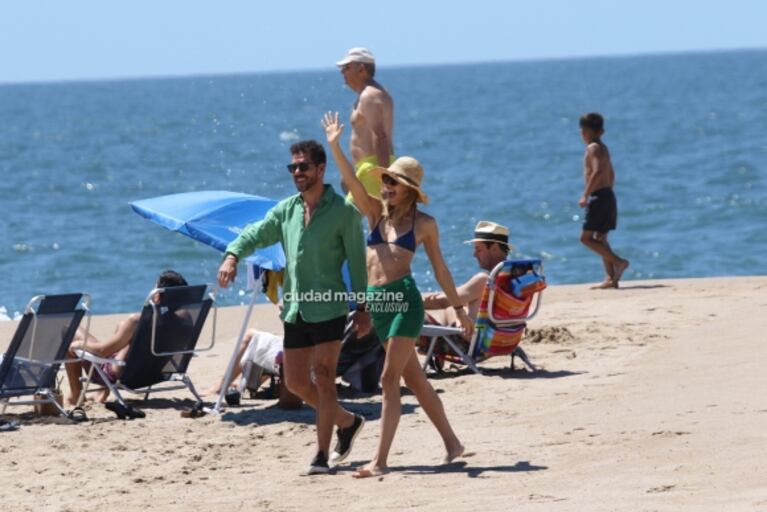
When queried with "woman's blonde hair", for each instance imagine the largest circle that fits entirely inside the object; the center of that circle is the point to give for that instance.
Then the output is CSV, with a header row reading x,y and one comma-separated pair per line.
x,y
396,213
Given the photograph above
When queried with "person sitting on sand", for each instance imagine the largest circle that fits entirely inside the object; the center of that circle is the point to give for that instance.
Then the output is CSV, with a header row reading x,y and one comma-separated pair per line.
x,y
491,246
599,199
261,341
397,227
115,347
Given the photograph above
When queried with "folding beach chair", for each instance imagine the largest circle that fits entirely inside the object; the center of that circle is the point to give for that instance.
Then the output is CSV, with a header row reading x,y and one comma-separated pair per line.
x,y
29,366
161,348
361,360
512,297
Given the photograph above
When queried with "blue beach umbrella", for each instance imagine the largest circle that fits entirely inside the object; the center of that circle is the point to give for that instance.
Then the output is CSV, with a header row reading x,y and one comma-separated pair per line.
x,y
215,218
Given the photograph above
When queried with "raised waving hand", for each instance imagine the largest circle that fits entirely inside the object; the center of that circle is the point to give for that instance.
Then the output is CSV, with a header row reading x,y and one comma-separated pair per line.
x,y
368,206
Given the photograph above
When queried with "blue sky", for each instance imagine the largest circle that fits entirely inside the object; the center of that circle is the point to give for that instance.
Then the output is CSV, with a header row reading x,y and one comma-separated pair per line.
x,y
43,40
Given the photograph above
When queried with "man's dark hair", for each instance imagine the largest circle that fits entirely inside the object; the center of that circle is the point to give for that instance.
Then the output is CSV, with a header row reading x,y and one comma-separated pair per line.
x,y
170,278
593,121
313,148
371,68
504,247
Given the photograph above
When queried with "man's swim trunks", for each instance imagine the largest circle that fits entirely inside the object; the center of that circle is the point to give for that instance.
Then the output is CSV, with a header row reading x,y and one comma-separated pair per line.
x,y
371,183
602,211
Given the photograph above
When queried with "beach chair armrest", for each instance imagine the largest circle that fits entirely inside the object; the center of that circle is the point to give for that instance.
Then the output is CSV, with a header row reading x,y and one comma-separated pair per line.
x,y
93,358
39,362
439,330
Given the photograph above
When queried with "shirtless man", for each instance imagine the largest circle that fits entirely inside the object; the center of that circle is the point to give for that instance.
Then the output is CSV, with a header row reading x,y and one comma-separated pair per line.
x,y
599,199
491,246
372,118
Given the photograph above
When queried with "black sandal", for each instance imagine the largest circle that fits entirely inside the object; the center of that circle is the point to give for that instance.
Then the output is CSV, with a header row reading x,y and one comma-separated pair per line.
x,y
232,397
77,415
125,412
194,412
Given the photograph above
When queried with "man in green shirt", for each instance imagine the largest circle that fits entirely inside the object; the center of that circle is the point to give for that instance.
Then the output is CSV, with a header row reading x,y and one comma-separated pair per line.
x,y
318,230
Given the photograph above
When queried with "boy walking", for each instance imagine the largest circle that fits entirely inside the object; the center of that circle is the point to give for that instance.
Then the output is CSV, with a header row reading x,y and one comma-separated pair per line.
x,y
599,199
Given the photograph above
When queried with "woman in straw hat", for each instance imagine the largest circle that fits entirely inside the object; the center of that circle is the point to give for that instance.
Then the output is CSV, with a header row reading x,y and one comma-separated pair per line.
x,y
396,229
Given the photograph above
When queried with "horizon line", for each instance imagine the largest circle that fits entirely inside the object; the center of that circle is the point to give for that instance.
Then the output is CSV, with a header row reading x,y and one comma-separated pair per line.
x,y
278,71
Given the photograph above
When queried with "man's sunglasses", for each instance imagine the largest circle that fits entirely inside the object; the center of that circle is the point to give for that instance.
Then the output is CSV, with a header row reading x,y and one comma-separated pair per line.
x,y
300,166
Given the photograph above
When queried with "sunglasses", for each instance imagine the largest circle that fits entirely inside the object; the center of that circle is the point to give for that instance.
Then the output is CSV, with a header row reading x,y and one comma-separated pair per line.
x,y
300,166
388,180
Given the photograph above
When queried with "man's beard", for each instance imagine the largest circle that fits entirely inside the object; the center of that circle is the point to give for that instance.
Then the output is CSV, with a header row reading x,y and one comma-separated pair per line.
x,y
309,182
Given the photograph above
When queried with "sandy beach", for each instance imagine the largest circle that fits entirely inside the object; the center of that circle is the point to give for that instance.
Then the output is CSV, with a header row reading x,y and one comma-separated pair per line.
x,y
651,397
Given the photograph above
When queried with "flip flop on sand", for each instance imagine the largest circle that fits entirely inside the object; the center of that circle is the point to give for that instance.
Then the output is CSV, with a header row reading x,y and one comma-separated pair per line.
x,y
8,426
193,412
124,412
370,472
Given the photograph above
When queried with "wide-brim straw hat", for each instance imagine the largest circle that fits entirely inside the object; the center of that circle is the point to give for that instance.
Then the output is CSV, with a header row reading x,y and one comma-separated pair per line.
x,y
405,170
487,231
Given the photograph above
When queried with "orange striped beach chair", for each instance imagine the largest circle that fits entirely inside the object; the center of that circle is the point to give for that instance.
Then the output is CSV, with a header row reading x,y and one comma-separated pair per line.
x,y
511,298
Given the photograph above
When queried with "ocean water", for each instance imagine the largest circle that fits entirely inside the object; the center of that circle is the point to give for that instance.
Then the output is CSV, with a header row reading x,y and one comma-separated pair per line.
x,y
499,141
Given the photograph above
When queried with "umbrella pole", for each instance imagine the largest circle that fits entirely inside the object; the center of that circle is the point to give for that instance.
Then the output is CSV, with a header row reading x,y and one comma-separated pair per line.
x,y
233,361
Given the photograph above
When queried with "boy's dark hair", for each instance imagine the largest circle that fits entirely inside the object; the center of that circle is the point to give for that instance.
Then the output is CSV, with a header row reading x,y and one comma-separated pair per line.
x,y
504,247
170,278
313,148
593,121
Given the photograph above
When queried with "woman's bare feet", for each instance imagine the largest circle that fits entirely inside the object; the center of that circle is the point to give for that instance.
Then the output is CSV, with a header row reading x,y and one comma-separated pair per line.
x,y
453,454
604,285
372,469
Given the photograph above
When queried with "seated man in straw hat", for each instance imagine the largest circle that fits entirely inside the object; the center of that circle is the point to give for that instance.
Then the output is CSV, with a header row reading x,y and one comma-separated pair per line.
x,y
491,246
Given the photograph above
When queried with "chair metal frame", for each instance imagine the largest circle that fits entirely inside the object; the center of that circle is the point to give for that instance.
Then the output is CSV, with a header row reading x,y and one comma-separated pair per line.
x,y
182,378
437,332
45,393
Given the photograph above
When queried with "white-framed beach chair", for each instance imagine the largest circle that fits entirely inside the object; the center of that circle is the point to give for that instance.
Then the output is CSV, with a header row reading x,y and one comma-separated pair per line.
x,y
30,365
161,348
511,298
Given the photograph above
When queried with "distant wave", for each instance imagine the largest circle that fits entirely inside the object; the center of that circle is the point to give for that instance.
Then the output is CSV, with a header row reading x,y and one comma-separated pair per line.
x,y
288,136
4,315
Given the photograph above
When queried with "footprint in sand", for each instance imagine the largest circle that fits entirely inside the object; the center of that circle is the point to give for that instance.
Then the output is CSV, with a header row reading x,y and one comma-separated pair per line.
x,y
660,488
543,498
669,433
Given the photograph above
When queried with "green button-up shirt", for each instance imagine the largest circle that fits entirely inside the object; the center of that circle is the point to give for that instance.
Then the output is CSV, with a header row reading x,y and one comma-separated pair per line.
x,y
313,285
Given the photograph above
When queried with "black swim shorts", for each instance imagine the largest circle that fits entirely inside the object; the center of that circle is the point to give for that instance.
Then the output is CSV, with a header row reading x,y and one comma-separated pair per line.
x,y
307,334
602,211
